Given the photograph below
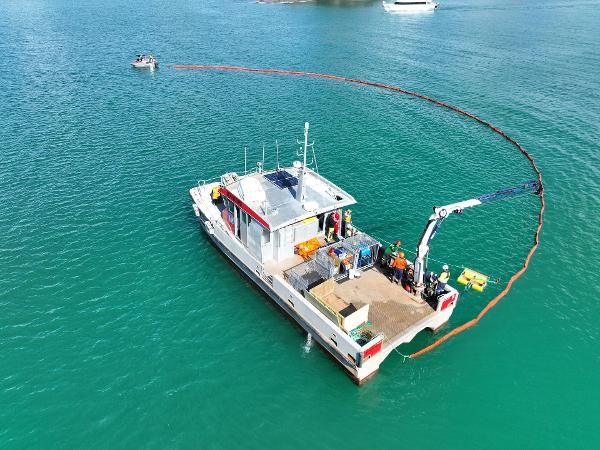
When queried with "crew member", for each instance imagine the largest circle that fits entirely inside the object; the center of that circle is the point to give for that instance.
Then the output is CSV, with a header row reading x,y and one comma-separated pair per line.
x,y
347,224
336,227
408,284
387,255
215,195
398,265
443,279
330,223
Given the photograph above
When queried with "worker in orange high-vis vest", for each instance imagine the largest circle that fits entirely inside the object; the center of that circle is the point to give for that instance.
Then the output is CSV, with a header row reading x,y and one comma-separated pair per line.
x,y
398,266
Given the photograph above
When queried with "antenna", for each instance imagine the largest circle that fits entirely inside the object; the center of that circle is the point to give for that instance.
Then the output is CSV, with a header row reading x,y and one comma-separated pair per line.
x,y
245,160
303,150
277,152
263,160
300,189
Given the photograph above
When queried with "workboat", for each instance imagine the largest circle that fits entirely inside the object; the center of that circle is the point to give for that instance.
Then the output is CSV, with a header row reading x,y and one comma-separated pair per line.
x,y
280,228
145,62
410,6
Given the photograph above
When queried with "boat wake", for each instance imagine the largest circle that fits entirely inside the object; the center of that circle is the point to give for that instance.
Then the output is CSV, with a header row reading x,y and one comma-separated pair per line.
x,y
308,344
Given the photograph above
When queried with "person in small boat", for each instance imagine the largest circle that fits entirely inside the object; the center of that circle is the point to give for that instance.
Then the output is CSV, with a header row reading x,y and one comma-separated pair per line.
x,y
443,279
398,265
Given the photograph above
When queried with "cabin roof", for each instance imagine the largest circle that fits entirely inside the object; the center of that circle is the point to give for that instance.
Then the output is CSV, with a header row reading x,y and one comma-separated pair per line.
x,y
271,195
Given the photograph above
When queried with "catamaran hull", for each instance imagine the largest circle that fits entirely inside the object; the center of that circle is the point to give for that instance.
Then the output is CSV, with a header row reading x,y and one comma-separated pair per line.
x,y
342,348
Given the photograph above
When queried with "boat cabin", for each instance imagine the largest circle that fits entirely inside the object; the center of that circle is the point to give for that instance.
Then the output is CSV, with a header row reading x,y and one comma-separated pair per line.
x,y
262,210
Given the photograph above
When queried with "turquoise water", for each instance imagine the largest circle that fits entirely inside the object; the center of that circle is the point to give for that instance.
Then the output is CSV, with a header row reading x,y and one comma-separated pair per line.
x,y
121,327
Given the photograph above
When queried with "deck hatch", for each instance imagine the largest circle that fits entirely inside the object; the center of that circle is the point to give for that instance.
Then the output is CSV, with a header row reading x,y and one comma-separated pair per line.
x,y
282,179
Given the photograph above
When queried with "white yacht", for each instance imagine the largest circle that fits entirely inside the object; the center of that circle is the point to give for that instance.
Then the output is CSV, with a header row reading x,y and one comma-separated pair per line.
x,y
409,6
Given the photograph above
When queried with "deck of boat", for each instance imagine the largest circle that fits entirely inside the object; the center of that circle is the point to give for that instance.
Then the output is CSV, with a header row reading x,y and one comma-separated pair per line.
x,y
279,267
392,310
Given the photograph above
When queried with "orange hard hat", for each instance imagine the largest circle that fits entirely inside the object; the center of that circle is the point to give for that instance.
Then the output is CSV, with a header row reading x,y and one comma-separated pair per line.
x,y
398,242
401,254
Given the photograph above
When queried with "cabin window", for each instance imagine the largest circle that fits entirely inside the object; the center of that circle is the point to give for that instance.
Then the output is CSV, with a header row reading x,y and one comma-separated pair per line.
x,y
266,237
229,206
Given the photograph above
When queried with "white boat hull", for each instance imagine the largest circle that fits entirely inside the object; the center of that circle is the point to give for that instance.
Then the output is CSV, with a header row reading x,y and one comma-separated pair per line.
x,y
409,7
338,344
151,66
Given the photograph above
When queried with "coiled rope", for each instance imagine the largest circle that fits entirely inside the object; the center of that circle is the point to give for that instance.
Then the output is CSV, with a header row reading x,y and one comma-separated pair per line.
x,y
495,129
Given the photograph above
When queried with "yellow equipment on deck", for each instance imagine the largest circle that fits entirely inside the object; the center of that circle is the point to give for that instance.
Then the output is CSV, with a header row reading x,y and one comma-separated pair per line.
x,y
474,280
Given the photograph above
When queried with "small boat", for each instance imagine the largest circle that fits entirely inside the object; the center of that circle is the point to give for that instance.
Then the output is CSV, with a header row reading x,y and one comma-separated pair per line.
x,y
145,61
410,6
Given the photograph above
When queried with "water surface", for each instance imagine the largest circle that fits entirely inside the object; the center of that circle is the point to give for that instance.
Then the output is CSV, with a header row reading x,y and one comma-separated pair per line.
x,y
122,327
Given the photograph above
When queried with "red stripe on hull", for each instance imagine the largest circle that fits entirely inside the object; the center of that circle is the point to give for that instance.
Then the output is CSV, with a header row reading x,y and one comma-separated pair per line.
x,y
227,193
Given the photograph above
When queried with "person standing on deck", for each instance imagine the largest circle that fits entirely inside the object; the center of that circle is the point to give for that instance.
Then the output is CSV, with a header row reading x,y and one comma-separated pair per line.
x,y
442,279
336,228
330,225
398,265
215,195
347,224
386,258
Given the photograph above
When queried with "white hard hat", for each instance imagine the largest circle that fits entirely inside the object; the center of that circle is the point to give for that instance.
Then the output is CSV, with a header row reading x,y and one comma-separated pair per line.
x,y
445,267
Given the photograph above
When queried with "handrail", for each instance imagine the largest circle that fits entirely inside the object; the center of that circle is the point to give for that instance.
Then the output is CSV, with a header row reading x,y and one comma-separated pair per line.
x,y
202,182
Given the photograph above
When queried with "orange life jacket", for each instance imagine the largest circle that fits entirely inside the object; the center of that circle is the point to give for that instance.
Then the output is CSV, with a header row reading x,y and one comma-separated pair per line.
x,y
399,263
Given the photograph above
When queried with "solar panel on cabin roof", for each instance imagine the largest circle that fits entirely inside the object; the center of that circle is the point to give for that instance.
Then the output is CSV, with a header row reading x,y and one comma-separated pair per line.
x,y
282,179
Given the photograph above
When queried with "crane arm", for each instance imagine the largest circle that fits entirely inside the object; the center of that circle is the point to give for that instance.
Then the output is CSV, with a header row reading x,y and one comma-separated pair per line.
x,y
441,212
